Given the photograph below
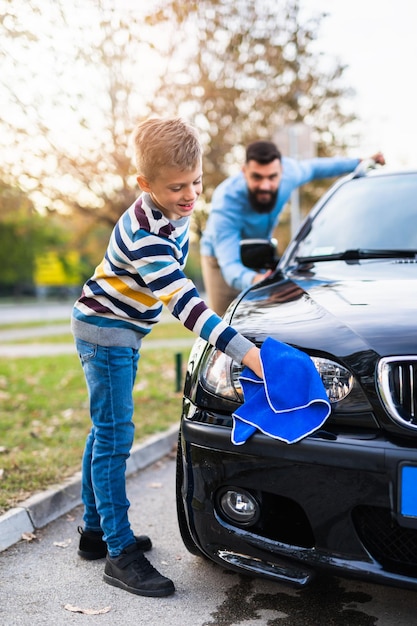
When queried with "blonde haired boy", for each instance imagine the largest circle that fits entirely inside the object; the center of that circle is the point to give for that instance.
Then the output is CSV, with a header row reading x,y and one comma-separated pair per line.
x,y
142,270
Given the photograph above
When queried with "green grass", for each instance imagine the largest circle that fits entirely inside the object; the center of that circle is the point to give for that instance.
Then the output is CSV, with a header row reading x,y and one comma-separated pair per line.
x,y
44,415
38,324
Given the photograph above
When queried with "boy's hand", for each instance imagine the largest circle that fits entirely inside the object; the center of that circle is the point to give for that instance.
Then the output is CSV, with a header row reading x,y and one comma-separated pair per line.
x,y
253,361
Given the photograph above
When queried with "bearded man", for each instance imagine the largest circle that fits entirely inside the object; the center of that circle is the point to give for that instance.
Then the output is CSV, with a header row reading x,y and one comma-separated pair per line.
x,y
247,206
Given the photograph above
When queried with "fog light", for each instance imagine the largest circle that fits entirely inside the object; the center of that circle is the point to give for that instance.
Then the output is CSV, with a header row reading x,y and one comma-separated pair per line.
x,y
239,506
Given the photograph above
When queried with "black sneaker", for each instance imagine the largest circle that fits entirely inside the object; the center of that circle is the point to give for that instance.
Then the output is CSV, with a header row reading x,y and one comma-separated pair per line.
x,y
93,547
132,572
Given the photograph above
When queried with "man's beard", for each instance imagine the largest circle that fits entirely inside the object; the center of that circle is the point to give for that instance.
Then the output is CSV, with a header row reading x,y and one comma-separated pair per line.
x,y
263,207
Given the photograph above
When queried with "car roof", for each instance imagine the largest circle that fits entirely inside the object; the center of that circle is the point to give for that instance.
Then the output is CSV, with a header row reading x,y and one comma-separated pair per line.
x,y
364,169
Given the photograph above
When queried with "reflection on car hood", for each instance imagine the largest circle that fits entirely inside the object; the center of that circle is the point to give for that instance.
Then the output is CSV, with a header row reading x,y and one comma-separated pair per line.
x,y
335,307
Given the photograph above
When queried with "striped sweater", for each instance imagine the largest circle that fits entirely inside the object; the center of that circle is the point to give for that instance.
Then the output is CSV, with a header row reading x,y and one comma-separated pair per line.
x,y
142,270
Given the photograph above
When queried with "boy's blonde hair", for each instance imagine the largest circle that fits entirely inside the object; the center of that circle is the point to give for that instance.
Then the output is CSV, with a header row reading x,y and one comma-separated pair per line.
x,y
162,143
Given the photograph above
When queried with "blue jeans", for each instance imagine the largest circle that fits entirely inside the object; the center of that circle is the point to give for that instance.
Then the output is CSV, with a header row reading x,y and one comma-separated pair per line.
x,y
110,375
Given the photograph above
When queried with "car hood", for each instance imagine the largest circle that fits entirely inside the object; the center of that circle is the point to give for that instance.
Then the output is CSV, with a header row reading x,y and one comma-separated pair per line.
x,y
337,307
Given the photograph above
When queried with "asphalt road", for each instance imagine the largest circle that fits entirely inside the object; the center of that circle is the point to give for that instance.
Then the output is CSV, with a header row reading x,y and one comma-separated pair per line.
x,y
40,580
41,310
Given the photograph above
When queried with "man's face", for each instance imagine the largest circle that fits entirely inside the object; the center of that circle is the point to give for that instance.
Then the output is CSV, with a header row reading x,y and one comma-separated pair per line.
x,y
263,183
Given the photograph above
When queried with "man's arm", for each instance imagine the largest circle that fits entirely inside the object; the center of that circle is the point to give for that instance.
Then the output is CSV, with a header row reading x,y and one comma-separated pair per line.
x,y
224,232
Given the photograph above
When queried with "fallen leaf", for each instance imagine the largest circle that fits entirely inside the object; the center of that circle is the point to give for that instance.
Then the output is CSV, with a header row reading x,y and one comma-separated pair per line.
x,y
77,609
62,544
69,517
156,485
29,536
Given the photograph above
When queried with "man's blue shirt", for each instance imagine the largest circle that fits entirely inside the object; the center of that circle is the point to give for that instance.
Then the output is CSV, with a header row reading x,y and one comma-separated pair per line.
x,y
232,218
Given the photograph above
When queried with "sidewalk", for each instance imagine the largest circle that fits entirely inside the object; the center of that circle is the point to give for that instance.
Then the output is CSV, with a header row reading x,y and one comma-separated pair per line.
x,y
43,508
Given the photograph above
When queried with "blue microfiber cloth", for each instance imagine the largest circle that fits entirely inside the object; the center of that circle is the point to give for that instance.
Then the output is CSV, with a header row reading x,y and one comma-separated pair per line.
x,y
288,404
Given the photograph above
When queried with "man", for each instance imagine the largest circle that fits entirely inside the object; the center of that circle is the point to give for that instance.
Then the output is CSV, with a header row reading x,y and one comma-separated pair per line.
x,y
247,206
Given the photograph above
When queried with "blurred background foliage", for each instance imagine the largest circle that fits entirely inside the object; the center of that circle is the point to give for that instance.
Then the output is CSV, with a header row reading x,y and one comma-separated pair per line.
x,y
77,76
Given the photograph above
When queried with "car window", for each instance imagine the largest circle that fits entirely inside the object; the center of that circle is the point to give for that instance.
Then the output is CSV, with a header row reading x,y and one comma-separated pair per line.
x,y
366,213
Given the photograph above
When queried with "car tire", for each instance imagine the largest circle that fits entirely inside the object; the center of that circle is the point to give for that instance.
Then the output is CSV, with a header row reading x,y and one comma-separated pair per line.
x,y
182,520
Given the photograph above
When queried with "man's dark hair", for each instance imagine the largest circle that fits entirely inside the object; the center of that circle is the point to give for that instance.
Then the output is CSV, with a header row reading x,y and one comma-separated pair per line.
x,y
263,152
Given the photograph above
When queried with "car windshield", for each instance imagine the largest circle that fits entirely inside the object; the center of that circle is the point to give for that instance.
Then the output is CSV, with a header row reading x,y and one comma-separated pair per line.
x,y
365,214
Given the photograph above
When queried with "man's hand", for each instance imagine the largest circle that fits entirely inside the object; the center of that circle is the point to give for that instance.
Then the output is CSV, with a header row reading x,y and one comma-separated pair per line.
x,y
261,276
378,158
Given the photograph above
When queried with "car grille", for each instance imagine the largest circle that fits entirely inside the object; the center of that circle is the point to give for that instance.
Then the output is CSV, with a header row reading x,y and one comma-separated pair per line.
x,y
393,546
397,383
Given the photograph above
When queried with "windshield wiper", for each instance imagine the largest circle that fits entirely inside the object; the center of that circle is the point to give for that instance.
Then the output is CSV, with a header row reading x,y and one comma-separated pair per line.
x,y
356,255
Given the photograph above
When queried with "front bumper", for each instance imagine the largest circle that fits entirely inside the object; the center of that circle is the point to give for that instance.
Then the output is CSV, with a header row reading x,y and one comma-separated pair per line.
x,y
326,503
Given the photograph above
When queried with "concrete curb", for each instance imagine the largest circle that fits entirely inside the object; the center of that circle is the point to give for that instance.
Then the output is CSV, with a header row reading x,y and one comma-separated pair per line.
x,y
41,509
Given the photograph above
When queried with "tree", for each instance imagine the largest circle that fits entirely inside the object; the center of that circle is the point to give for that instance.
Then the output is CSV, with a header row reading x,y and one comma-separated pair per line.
x,y
250,71
72,139
24,235
238,70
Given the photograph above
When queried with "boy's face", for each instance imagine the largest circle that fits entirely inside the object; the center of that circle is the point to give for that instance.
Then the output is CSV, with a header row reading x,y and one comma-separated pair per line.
x,y
175,191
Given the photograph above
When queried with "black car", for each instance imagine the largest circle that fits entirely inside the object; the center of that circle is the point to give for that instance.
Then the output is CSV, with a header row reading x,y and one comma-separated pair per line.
x,y
343,499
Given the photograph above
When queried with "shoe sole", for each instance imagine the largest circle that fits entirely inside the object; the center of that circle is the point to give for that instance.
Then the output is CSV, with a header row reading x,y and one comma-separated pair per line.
x,y
153,593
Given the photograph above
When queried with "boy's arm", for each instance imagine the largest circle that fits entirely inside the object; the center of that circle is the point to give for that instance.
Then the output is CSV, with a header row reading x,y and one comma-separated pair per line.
x,y
164,277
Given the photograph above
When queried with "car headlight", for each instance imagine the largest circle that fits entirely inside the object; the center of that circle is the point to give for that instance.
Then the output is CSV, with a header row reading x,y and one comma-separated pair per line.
x,y
220,376
337,380
342,388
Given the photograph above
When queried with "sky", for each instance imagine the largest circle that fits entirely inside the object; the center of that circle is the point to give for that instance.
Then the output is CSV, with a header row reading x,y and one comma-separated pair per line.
x,y
377,40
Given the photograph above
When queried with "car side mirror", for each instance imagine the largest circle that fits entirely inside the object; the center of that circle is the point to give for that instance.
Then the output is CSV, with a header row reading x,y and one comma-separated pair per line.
x,y
259,254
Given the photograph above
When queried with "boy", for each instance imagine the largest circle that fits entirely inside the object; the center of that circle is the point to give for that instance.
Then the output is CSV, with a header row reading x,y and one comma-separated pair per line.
x,y
141,270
